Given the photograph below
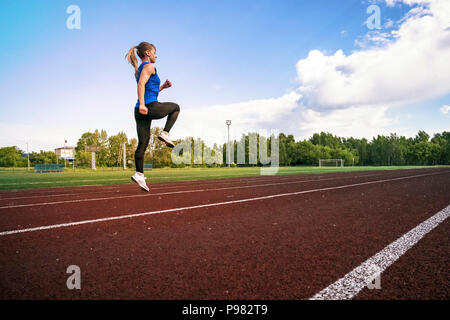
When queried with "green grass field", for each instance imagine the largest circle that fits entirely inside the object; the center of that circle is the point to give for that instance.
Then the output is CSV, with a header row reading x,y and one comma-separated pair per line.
x,y
20,178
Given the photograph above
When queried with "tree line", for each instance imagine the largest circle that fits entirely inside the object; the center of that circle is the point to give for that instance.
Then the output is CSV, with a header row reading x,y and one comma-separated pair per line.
x,y
381,150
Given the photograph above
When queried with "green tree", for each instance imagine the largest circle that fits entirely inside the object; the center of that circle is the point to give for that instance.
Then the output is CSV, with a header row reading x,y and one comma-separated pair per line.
x,y
84,159
422,136
115,144
42,157
286,158
131,149
12,157
326,139
443,140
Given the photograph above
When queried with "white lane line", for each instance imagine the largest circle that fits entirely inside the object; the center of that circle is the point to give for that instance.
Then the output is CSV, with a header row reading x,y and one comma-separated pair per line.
x,y
170,185
353,282
123,178
61,181
172,192
204,205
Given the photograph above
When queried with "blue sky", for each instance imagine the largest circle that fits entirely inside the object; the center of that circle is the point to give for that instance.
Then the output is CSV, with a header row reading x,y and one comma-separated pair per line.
x,y
57,83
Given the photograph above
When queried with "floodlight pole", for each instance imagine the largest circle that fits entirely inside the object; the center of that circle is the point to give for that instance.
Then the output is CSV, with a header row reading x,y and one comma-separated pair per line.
x,y
124,157
228,123
64,152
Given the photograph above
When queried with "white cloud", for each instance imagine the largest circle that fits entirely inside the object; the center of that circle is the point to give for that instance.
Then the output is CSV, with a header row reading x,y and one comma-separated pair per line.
x,y
374,39
209,122
405,65
388,24
347,95
445,109
392,3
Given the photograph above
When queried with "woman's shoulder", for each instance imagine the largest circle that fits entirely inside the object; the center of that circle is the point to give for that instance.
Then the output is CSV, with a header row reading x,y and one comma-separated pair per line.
x,y
150,68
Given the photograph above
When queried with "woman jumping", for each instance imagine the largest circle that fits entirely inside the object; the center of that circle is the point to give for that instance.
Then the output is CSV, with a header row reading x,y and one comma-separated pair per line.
x,y
147,107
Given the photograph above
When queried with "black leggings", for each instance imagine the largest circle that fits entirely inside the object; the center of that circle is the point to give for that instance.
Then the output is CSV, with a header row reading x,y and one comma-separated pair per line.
x,y
156,110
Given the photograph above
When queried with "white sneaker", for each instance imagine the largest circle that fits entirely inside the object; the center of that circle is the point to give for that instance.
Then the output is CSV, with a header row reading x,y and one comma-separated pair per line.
x,y
165,137
139,178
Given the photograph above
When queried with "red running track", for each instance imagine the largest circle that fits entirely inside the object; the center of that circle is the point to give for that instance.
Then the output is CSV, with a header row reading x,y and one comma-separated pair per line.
x,y
277,237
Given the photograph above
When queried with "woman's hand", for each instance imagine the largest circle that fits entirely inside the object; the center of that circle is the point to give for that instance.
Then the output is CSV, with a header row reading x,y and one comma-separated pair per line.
x,y
167,84
143,109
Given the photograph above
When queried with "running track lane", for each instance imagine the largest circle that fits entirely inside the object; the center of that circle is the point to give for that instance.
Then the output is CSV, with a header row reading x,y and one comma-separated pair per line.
x,y
12,218
420,272
290,247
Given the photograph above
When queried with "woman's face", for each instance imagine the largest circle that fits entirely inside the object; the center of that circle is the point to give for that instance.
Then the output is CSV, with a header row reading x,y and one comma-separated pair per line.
x,y
151,54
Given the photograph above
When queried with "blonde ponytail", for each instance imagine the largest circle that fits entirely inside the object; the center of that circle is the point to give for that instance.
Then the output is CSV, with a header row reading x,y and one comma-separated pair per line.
x,y
131,57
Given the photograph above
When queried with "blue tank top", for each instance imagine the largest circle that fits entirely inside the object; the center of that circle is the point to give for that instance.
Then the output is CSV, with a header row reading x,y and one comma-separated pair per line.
x,y
151,87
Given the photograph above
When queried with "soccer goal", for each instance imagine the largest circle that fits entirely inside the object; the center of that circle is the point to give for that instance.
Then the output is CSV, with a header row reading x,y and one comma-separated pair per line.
x,y
331,163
